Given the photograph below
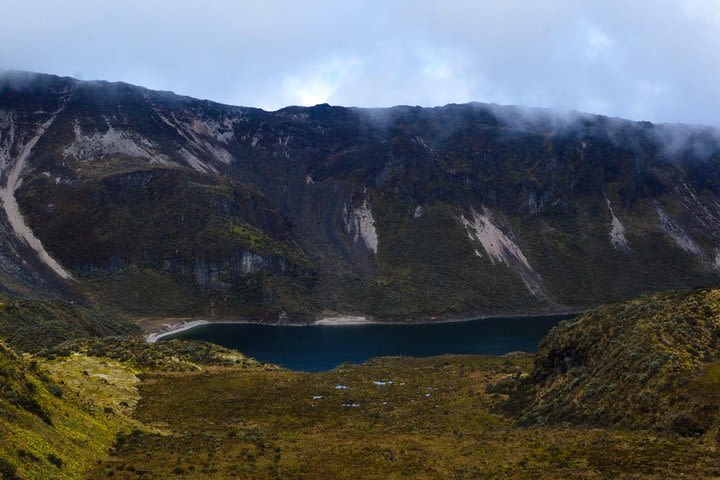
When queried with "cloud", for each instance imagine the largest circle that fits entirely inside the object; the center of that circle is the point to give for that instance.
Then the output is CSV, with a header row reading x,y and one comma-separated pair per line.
x,y
653,60
317,83
599,40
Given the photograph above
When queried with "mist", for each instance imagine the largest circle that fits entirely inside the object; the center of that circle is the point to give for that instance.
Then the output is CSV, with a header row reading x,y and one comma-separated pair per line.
x,y
612,58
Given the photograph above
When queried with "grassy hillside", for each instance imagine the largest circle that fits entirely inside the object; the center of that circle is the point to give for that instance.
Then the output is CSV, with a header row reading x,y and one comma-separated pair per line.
x,y
626,391
61,413
31,325
173,355
163,242
427,266
647,363
54,421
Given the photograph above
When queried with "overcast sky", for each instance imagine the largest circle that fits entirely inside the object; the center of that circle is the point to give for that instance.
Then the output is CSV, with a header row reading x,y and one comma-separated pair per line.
x,y
655,60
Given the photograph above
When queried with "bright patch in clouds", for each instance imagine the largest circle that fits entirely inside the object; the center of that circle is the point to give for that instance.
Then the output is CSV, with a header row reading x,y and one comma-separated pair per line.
x,y
436,64
599,40
704,10
317,83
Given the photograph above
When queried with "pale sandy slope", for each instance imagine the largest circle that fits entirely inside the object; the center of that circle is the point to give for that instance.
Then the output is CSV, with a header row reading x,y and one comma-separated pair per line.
x,y
12,209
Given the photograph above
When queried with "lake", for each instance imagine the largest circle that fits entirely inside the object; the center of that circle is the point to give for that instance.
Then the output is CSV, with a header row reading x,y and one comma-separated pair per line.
x,y
323,347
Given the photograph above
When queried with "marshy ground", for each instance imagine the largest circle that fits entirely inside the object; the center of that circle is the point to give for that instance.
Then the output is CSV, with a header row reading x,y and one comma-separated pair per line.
x,y
627,391
436,419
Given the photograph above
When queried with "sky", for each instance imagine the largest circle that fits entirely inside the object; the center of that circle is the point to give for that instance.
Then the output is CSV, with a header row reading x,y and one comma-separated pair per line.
x,y
656,60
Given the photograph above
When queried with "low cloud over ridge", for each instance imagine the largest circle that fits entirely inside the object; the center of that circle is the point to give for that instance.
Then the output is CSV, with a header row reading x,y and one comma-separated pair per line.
x,y
652,61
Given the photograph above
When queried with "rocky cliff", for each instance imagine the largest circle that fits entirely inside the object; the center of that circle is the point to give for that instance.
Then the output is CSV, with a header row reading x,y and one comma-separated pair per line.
x,y
156,203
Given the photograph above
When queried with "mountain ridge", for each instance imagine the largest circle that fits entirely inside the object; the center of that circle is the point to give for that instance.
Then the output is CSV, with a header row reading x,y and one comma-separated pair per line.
x,y
5,73
403,212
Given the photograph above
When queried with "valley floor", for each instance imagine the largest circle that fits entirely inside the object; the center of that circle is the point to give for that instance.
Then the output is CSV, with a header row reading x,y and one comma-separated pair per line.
x,y
430,418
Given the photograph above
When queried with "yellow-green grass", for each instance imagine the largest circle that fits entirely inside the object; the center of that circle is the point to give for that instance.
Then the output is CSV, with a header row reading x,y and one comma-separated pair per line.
x,y
60,414
82,415
102,384
437,419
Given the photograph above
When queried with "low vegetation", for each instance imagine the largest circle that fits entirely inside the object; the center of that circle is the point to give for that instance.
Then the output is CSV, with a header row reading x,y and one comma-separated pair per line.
x,y
31,325
647,363
626,391
433,418
55,422
420,276
173,355
61,412
139,291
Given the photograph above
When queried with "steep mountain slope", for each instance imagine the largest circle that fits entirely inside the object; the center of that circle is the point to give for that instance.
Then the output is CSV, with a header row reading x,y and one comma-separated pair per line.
x,y
401,212
25,266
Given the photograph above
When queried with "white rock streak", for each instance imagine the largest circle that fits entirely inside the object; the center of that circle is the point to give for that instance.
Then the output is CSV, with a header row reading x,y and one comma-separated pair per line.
x,y
199,133
252,262
221,132
676,232
113,142
360,224
197,164
617,231
501,249
12,210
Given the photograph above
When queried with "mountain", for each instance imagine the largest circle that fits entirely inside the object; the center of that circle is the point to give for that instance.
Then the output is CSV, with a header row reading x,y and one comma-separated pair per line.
x,y
153,203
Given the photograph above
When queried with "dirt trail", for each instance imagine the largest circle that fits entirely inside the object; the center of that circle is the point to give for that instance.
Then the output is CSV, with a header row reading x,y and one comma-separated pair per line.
x,y
12,209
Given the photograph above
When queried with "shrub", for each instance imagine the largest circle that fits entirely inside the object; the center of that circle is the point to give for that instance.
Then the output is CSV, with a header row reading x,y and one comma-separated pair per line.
x,y
55,460
8,471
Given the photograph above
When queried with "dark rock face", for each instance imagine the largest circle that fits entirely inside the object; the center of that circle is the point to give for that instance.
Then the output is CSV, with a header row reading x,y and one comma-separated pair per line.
x,y
399,212
559,361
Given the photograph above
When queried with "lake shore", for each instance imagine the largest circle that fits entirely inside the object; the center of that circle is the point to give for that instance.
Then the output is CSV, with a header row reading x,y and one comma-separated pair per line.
x,y
175,328
338,320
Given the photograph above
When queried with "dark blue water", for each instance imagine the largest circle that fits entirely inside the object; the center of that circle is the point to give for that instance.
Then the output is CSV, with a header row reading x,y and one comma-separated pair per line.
x,y
317,348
